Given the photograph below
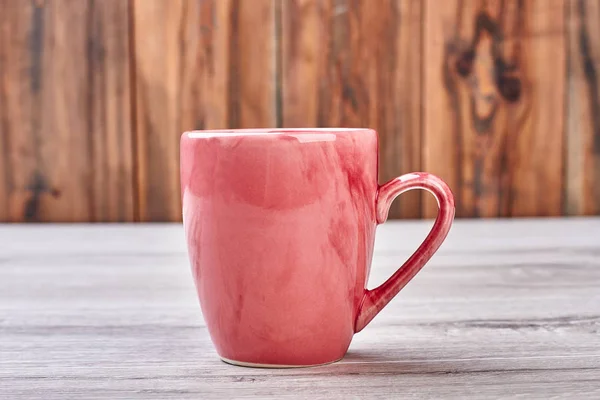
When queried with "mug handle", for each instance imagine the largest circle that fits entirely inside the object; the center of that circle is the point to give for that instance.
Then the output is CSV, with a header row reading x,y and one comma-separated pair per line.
x,y
374,300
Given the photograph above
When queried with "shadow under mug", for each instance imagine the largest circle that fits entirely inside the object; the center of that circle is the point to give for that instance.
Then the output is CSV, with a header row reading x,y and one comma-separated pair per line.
x,y
280,226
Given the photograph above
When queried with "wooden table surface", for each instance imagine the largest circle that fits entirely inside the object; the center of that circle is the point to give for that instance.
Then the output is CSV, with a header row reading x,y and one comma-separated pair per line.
x,y
505,309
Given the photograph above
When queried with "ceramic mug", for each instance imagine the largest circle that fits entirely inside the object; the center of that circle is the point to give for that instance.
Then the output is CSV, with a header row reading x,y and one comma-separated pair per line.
x,y
280,225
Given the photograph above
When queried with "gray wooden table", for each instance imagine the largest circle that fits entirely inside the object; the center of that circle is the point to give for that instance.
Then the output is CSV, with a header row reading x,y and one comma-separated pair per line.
x,y
505,309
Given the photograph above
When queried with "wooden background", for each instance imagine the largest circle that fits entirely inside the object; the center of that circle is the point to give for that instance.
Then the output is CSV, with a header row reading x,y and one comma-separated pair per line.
x,y
499,98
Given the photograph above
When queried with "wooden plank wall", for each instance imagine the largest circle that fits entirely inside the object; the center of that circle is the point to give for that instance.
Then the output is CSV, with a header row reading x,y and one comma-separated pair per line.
x,y
501,98
65,118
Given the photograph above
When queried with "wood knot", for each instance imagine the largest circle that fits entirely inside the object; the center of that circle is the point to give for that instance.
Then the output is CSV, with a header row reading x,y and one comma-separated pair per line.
x,y
37,187
487,43
509,87
464,64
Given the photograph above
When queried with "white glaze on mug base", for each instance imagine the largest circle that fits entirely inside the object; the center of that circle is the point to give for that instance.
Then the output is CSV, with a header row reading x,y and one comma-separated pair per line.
x,y
272,366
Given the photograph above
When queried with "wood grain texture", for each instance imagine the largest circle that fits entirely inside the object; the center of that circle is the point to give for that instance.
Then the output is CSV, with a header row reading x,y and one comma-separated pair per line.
x,y
350,64
498,97
494,90
198,65
65,124
506,309
583,109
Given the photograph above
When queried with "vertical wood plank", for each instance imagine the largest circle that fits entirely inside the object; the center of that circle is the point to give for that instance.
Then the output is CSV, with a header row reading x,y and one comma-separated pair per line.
x,y
348,63
167,52
583,109
5,178
110,123
198,65
494,95
539,164
20,72
65,127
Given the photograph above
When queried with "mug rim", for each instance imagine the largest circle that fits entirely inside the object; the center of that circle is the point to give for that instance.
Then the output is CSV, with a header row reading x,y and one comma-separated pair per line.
x,y
244,132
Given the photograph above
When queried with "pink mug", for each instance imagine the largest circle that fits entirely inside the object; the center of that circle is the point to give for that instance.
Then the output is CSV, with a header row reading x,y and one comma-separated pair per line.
x,y
280,225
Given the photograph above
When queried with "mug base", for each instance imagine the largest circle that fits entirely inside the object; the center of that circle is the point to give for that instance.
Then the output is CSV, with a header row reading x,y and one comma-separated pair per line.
x,y
272,366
